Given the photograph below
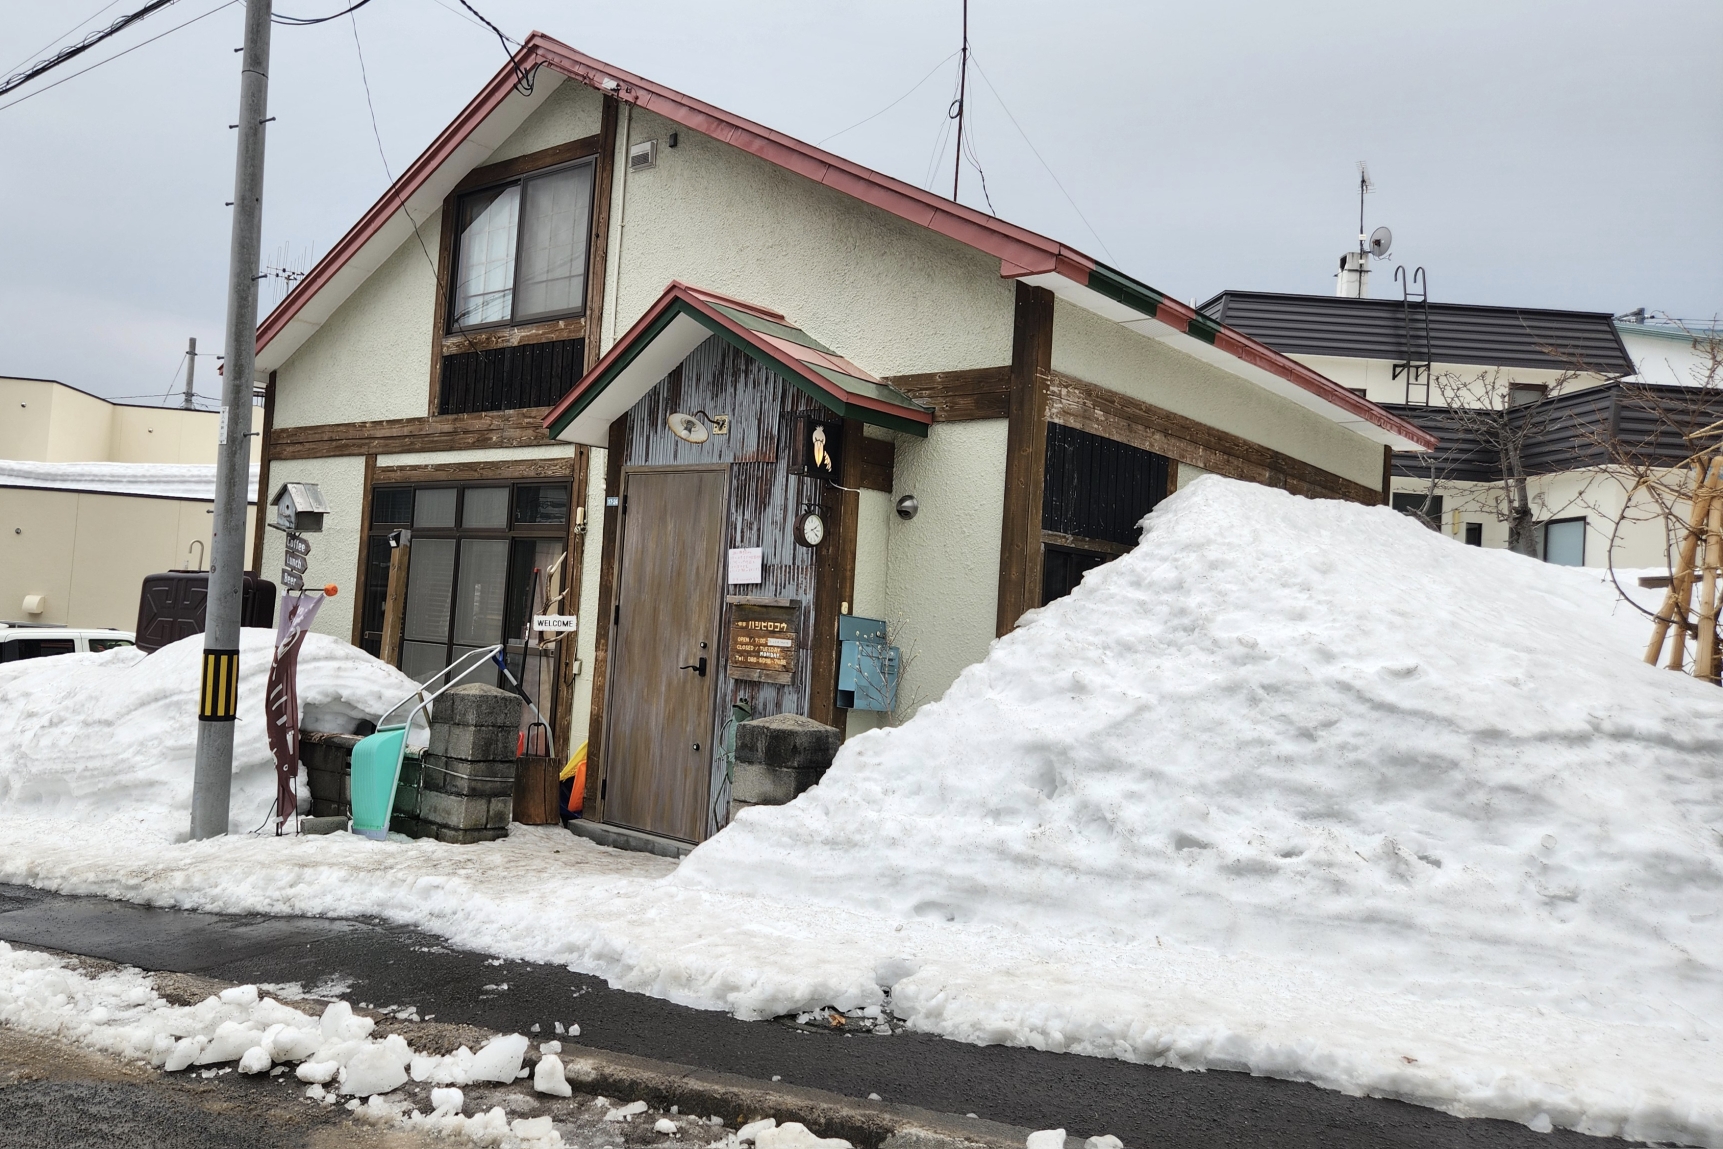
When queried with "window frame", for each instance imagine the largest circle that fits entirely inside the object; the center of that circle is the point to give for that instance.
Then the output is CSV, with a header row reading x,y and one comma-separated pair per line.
x,y
508,532
1543,537
458,203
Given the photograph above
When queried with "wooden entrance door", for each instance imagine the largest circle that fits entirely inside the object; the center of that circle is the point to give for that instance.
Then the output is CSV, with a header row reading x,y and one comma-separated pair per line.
x,y
658,729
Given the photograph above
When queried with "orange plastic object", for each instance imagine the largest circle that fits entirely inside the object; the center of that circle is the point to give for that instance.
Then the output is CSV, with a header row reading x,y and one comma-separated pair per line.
x,y
330,590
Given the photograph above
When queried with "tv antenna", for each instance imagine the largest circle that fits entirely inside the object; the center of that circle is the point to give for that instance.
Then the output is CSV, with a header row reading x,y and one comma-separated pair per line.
x,y
1365,187
956,110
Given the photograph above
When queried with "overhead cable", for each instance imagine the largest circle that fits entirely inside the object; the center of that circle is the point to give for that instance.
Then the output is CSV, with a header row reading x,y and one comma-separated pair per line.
x,y
19,79
307,21
117,55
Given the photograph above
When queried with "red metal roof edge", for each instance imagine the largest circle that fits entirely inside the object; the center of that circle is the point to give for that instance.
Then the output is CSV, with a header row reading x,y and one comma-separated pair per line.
x,y
697,298
1020,251
1178,316
1025,252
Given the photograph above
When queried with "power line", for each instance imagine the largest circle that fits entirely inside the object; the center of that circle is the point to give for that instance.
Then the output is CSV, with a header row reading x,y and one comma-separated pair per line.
x,y
891,105
307,21
117,55
64,34
523,82
19,79
1007,110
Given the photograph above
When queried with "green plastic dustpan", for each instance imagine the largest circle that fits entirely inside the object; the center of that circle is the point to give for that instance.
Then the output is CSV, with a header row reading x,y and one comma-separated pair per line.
x,y
376,771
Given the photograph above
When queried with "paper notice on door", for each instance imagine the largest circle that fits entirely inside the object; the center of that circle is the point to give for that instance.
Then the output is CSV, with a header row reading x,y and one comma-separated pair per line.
x,y
744,565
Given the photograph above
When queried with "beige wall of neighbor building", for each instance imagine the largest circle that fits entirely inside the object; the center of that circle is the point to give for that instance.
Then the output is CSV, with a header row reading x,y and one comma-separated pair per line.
x,y
45,421
88,553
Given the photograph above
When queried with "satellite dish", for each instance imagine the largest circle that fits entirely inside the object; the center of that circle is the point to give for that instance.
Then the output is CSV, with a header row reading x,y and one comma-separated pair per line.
x,y
688,428
1380,241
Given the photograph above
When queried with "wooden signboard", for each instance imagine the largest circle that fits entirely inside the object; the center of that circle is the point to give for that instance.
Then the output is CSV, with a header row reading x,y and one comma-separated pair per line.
x,y
763,639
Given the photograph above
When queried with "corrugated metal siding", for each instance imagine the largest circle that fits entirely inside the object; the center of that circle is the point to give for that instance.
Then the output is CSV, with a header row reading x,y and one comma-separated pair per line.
x,y
1647,424
1458,333
765,498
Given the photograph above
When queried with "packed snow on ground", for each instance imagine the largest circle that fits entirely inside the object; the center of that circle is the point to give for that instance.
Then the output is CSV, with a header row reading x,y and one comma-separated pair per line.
x,y
93,736
120,1013
1299,788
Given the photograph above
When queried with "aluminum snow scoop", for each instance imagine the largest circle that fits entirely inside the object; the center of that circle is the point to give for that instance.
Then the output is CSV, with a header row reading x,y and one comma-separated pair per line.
x,y
376,763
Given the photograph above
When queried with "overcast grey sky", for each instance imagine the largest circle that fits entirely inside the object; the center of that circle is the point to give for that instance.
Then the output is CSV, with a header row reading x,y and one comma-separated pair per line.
x,y
1563,154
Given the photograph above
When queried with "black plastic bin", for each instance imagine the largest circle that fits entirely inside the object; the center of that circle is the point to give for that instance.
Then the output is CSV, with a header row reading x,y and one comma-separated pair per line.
x,y
171,606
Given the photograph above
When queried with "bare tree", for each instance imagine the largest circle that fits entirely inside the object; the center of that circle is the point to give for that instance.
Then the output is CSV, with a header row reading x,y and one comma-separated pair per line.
x,y
1497,417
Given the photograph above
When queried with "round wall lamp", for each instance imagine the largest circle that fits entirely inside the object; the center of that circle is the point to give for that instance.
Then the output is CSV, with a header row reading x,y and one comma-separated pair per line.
x,y
907,508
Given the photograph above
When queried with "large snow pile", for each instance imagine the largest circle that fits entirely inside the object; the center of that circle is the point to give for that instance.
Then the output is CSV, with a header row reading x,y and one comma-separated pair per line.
x,y
100,735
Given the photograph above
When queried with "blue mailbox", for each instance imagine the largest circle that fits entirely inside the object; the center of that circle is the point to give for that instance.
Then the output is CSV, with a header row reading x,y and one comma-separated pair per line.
x,y
867,665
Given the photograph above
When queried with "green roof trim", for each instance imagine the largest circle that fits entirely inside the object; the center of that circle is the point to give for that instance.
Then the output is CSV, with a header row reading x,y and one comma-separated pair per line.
x,y
1121,288
1203,327
759,323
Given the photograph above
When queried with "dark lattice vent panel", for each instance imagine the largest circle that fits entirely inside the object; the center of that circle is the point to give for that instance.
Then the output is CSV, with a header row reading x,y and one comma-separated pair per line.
x,y
509,378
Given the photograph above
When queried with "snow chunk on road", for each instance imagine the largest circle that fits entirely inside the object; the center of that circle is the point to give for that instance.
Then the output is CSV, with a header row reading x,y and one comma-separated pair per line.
x,y
99,735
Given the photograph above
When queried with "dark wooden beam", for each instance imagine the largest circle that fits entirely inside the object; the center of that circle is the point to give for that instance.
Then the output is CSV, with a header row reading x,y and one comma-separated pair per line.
x,y
878,463
364,550
504,170
1099,411
834,582
557,468
567,647
521,428
599,250
960,396
1025,455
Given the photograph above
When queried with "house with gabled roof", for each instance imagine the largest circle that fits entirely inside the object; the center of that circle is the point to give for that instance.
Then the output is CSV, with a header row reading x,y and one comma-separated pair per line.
x,y
783,434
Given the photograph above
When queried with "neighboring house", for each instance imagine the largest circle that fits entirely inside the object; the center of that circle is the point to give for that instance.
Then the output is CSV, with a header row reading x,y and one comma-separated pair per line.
x,y
637,344
94,496
1570,373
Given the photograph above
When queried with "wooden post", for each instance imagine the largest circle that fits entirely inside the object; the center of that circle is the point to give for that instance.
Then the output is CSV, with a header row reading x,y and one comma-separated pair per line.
x,y
1705,659
1676,598
395,603
1684,590
1025,456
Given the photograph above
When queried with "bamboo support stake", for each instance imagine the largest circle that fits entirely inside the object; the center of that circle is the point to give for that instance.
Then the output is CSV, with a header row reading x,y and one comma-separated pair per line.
x,y
1683,574
1705,660
1684,592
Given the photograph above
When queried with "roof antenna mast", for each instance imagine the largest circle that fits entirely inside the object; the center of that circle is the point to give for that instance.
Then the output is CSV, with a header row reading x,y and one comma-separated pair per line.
x,y
957,108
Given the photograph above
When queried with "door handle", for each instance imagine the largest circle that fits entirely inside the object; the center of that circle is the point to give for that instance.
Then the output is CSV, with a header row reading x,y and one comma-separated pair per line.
x,y
698,667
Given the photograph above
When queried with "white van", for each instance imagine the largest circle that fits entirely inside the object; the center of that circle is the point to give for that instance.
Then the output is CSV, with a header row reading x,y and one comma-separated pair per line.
x,y
19,641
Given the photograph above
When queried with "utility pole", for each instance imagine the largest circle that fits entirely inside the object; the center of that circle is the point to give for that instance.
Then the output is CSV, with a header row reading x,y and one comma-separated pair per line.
x,y
962,91
190,366
212,784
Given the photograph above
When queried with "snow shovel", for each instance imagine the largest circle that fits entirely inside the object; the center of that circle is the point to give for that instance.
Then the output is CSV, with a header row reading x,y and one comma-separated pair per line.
x,y
376,769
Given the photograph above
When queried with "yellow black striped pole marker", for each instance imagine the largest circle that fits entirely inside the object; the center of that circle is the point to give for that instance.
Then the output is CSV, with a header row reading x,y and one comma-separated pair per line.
x,y
220,694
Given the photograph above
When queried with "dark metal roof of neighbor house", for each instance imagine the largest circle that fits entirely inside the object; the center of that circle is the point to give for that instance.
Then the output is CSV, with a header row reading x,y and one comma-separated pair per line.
x,y
1459,332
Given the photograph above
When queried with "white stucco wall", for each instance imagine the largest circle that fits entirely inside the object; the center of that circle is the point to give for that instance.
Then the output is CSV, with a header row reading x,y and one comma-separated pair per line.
x,y
372,358
586,632
942,580
892,297
572,112
1599,495
334,550
1102,352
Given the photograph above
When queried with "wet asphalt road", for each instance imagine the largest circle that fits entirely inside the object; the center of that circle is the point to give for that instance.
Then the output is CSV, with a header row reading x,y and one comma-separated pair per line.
x,y
388,965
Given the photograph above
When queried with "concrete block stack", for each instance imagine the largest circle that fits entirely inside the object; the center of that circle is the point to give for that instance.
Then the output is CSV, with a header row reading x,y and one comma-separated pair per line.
x,y
467,781
778,757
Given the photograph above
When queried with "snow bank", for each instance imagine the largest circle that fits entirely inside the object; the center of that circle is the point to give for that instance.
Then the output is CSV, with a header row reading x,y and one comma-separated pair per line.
x,y
115,733
1191,815
1291,726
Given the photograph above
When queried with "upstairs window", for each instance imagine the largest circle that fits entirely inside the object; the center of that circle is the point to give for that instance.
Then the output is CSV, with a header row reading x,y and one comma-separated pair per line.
x,y
521,249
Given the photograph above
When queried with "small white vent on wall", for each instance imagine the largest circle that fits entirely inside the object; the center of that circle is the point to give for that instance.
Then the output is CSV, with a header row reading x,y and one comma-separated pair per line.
x,y
643,155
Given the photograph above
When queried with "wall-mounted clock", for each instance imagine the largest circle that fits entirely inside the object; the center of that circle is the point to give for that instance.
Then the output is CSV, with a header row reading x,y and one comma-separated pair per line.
x,y
810,529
